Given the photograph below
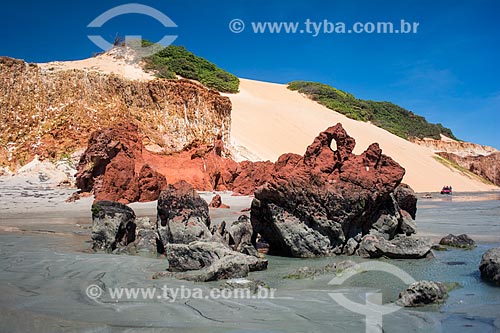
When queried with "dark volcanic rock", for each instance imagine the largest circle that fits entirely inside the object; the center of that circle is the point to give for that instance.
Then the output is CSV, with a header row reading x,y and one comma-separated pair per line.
x,y
112,223
422,293
208,261
402,247
182,215
490,266
461,241
312,204
406,199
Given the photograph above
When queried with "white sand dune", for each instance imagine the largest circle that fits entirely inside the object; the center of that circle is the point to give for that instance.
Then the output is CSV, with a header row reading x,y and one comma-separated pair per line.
x,y
269,120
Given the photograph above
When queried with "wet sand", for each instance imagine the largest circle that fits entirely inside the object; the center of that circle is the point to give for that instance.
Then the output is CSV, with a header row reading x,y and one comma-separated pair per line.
x,y
46,269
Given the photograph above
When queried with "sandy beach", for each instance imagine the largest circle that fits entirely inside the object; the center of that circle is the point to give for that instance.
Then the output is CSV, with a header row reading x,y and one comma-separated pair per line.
x,y
47,267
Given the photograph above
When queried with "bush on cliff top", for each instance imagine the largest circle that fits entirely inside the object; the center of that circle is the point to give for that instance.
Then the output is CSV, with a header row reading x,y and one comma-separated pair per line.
x,y
386,115
176,60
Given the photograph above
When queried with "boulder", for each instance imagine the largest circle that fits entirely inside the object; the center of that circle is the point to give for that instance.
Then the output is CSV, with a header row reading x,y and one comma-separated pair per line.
x,y
407,225
402,247
406,199
422,293
112,223
194,256
312,204
182,215
208,261
490,266
350,247
216,202
229,267
461,241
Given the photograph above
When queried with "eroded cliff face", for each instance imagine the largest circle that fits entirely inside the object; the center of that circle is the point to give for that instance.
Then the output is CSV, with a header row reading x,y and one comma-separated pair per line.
x,y
487,167
51,113
459,148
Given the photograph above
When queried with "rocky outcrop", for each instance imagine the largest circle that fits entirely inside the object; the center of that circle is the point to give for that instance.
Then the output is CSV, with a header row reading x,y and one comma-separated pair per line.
x,y
312,205
487,167
490,266
209,261
461,241
181,234
423,293
182,215
115,228
117,167
193,252
63,108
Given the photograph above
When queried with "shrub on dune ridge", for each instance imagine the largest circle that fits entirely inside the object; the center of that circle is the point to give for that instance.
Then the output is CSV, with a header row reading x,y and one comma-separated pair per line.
x,y
386,115
176,60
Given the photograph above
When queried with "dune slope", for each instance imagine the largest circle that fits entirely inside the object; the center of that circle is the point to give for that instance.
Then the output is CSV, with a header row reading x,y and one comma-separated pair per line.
x,y
269,120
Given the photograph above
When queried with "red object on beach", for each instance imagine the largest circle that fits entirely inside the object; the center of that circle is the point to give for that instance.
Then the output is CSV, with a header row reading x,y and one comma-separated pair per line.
x,y
446,190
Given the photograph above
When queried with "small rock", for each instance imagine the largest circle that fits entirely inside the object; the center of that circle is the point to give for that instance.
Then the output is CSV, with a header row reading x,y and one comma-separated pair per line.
x,y
460,241
421,293
217,202
312,272
242,283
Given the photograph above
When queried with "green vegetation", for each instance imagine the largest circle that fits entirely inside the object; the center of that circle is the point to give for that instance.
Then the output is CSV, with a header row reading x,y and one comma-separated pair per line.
x,y
386,115
173,60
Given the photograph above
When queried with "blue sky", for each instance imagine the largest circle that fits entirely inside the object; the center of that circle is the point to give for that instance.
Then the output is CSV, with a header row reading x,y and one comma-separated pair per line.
x,y
447,72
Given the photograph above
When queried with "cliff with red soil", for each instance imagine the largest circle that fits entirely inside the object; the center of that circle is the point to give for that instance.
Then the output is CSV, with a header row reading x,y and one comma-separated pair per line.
x,y
459,148
487,167
52,113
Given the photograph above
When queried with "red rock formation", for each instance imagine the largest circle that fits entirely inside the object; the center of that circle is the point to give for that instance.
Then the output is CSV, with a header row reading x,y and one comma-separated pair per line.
x,y
216,202
116,167
311,204
113,168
